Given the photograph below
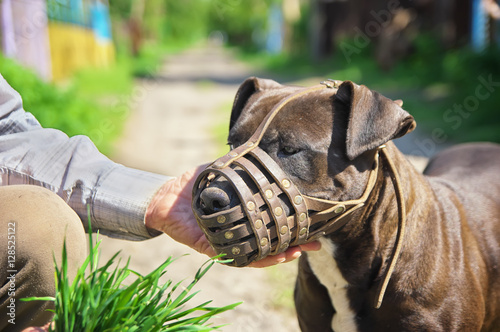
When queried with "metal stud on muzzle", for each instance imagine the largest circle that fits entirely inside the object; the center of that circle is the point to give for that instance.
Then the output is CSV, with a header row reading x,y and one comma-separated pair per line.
x,y
268,214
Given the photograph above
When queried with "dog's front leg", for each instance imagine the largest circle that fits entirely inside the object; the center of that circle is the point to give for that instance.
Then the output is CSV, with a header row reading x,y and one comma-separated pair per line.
x,y
314,308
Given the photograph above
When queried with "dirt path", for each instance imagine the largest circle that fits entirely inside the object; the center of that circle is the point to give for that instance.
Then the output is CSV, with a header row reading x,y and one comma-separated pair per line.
x,y
170,131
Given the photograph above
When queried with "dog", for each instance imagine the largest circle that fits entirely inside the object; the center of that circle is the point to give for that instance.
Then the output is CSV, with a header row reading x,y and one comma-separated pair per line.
x,y
445,275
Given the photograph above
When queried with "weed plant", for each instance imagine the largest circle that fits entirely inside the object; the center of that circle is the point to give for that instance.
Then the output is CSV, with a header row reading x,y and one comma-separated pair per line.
x,y
100,301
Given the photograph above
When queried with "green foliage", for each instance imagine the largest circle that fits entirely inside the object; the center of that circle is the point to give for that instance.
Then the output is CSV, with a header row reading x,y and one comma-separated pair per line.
x,y
74,108
188,21
151,58
100,301
241,21
437,86
184,20
94,83
120,8
449,80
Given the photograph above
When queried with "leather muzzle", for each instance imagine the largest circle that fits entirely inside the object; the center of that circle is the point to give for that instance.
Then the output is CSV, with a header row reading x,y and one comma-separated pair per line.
x,y
271,213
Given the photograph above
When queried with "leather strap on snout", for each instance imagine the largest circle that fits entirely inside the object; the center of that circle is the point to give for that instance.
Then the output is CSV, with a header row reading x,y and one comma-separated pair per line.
x,y
255,139
264,209
331,215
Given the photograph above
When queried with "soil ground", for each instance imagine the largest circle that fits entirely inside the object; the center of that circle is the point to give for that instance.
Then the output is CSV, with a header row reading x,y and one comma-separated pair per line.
x,y
170,130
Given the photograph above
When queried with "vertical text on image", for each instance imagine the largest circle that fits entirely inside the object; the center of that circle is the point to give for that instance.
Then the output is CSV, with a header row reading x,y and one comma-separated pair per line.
x,y
11,270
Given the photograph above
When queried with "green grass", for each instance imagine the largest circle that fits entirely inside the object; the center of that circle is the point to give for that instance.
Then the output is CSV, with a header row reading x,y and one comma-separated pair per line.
x,y
113,80
99,300
92,104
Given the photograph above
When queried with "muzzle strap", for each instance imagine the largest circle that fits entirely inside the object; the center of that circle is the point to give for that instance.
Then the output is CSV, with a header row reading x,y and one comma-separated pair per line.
x,y
300,215
272,214
252,211
330,215
270,196
275,209
254,141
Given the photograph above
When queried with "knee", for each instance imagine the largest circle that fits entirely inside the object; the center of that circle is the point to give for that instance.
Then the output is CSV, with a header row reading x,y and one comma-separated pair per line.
x,y
43,222
36,223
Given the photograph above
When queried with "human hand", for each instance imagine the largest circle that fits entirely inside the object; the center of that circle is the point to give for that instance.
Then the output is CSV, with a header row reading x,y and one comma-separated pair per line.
x,y
170,212
44,328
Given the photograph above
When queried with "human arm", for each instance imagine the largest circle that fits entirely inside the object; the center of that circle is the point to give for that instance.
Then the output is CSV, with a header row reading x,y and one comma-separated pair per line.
x,y
74,169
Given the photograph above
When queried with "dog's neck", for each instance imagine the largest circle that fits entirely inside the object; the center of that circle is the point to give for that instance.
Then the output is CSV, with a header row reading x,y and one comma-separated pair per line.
x,y
377,232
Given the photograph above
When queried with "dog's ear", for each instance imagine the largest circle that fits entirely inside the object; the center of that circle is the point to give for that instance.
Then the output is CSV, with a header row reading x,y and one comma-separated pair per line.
x,y
246,90
372,119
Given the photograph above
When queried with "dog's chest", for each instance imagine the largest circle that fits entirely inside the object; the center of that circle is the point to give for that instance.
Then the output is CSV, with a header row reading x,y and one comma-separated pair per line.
x,y
326,270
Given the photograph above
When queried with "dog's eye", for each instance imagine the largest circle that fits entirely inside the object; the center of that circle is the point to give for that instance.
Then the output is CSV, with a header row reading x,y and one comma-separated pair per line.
x,y
288,151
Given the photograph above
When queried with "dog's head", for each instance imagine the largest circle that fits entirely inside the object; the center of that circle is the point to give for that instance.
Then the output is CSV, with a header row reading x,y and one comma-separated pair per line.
x,y
313,146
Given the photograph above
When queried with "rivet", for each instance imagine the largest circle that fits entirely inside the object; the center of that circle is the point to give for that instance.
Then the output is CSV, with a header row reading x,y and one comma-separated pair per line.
x,y
303,231
284,245
269,193
263,242
250,144
229,235
233,154
327,84
285,183
250,205
221,219
339,209
283,230
298,199
302,217
258,224
278,211
235,250
218,164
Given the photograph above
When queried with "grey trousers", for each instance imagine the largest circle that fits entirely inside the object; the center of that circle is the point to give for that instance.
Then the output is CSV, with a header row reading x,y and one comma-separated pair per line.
x,y
33,225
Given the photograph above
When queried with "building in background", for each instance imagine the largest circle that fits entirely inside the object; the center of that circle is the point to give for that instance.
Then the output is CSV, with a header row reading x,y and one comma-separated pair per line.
x,y
24,34
57,37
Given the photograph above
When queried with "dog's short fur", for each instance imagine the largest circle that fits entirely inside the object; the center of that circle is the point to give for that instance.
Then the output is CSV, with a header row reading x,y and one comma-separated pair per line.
x,y
448,275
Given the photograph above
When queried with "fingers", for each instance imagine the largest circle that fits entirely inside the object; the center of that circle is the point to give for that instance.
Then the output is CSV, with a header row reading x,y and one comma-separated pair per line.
x,y
205,248
44,328
311,246
289,255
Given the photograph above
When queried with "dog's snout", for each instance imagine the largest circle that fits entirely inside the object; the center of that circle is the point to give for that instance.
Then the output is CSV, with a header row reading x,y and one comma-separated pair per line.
x,y
213,199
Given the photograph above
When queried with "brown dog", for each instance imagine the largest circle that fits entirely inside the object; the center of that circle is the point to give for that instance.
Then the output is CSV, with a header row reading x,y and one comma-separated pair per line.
x,y
447,277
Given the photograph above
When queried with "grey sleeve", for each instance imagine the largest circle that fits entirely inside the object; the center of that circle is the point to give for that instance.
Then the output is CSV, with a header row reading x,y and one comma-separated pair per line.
x,y
74,169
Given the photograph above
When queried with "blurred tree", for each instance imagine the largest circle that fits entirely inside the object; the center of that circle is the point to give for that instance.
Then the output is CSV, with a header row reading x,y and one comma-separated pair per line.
x,y
243,22
135,25
185,21
159,21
